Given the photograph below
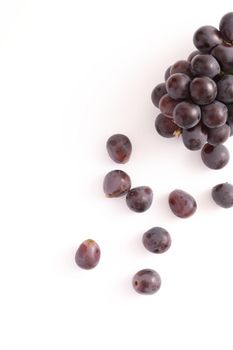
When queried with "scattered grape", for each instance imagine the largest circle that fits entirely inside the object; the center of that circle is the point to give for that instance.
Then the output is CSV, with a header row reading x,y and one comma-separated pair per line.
x,y
182,204
88,254
119,148
116,183
222,194
139,199
146,281
157,240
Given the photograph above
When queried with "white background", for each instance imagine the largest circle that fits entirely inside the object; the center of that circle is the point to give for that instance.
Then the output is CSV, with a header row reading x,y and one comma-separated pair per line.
x,y
71,74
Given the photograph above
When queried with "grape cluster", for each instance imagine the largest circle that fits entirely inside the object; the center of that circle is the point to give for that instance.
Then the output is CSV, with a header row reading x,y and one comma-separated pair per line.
x,y
196,99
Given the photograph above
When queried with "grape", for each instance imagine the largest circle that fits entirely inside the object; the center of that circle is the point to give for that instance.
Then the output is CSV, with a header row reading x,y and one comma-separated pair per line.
x,y
119,148
166,127
177,86
214,114
230,117
193,54
206,37
156,240
181,66
226,26
224,55
225,89
205,65
88,254
215,157
222,194
195,138
186,114
218,135
157,93
182,204
203,90
167,73
167,105
139,199
146,281
116,183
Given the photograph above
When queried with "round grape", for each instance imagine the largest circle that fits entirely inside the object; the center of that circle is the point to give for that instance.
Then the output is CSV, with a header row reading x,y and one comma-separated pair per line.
x,y
181,66
167,73
203,90
157,240
157,93
230,117
193,54
215,157
187,114
146,281
226,26
224,55
195,138
206,38
166,127
167,105
218,135
88,254
225,89
182,204
139,199
205,65
177,86
214,114
119,148
222,194
116,183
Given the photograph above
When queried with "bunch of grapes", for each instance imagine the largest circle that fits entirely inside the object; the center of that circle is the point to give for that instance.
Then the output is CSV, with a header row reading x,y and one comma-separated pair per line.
x,y
196,99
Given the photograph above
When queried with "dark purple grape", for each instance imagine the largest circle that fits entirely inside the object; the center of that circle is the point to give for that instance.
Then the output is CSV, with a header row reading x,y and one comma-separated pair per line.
x,y
218,135
157,93
215,157
230,117
205,65
182,204
116,183
167,105
88,254
203,90
139,199
225,89
193,54
146,281
214,114
181,66
167,73
177,86
224,55
119,148
226,26
206,38
166,127
187,114
222,194
195,138
157,240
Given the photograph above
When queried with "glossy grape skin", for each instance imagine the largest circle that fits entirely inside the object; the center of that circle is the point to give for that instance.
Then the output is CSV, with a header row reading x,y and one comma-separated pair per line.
x,y
181,66
139,199
218,135
177,86
157,240
203,90
166,127
167,105
146,281
215,114
224,55
119,148
187,114
206,38
157,93
205,65
167,73
193,54
226,26
222,194
116,183
215,157
230,117
182,204
225,89
88,254
195,138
